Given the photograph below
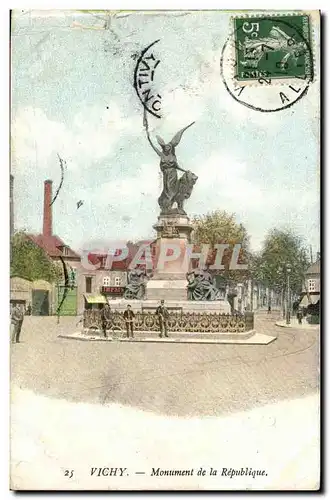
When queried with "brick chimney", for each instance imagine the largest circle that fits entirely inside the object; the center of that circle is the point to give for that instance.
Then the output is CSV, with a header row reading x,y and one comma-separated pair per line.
x,y
47,227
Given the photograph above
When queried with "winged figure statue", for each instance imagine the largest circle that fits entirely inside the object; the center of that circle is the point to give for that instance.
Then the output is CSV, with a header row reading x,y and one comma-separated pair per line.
x,y
175,189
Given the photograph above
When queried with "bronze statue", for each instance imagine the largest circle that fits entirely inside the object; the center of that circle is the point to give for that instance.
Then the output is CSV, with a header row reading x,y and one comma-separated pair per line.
x,y
201,286
136,286
175,190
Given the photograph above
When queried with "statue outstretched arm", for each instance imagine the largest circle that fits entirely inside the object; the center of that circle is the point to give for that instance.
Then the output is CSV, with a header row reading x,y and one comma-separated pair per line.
x,y
145,123
177,138
152,145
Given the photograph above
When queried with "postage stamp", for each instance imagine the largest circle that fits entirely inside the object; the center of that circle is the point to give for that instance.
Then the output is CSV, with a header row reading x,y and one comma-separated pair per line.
x,y
275,47
268,60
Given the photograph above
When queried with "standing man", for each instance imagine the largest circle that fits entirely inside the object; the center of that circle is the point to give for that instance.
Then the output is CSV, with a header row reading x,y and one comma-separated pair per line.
x,y
17,317
129,319
299,316
106,319
163,315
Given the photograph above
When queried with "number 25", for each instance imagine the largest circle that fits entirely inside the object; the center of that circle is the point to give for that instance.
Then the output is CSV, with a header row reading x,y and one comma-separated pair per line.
x,y
251,28
68,473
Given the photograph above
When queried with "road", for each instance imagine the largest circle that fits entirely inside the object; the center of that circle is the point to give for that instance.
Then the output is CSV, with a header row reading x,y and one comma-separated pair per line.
x,y
167,379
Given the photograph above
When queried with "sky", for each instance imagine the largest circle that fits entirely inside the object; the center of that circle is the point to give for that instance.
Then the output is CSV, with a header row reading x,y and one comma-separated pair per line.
x,y
73,96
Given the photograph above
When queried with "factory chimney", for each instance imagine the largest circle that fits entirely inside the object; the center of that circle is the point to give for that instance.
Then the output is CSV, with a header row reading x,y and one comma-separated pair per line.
x,y
48,223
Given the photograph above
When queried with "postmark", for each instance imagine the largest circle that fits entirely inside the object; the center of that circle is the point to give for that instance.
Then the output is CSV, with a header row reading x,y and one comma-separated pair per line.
x,y
269,83
62,167
273,47
144,80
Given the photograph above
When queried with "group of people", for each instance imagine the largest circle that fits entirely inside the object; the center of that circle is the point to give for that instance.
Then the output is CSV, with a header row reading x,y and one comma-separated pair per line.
x,y
17,318
129,316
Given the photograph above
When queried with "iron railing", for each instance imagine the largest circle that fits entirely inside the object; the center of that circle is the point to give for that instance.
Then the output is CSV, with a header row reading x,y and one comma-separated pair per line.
x,y
177,322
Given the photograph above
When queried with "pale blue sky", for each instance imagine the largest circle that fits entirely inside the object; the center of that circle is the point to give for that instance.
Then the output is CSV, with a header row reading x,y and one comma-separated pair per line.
x,y
73,95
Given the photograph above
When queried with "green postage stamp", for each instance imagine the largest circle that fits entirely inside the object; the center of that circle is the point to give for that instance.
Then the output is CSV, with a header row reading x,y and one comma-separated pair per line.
x,y
275,47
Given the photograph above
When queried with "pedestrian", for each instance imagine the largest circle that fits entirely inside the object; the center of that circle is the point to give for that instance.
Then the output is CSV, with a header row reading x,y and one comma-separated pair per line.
x,y
269,309
17,317
106,319
163,315
299,316
129,321
29,310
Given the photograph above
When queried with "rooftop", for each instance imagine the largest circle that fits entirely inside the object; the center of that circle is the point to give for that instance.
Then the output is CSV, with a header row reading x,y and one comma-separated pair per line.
x,y
314,268
52,246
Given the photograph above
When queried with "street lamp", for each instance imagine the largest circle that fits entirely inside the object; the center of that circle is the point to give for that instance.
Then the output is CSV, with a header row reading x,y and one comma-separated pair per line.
x,y
284,274
288,305
281,283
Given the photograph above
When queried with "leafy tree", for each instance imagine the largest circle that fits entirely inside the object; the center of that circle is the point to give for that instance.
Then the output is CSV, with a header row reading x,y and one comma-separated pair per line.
x,y
29,261
281,248
220,227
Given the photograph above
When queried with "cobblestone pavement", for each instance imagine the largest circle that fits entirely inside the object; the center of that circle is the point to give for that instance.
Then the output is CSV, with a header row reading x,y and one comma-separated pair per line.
x,y
169,379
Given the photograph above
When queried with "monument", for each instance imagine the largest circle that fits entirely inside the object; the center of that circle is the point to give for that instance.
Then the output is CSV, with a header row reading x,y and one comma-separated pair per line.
x,y
196,305
173,280
173,225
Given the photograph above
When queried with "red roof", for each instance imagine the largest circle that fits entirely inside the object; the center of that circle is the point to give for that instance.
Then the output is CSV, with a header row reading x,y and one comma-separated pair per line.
x,y
52,246
120,265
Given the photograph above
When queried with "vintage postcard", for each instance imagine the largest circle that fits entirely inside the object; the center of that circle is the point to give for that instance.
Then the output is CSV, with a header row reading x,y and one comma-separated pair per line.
x,y
165,250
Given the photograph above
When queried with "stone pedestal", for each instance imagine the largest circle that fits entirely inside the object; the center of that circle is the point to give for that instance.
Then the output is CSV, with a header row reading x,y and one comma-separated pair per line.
x,y
158,289
186,306
169,281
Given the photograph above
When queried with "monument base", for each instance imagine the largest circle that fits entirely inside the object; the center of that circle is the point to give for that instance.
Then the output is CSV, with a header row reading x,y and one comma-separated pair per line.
x,y
169,281
167,289
207,306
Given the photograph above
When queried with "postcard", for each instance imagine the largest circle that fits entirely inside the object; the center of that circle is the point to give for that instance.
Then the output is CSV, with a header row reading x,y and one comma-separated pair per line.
x,y
165,261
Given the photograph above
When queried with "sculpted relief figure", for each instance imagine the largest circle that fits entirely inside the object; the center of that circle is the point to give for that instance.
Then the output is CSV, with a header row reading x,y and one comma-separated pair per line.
x,y
169,230
136,285
201,286
175,190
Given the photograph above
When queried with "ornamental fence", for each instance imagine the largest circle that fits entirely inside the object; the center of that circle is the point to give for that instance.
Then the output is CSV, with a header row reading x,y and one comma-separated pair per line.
x,y
177,322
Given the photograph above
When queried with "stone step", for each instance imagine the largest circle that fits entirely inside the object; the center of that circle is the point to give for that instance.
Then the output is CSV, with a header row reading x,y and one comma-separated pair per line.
x,y
121,334
250,338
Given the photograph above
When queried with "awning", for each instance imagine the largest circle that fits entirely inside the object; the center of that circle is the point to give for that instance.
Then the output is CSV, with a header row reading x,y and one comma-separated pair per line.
x,y
93,298
312,300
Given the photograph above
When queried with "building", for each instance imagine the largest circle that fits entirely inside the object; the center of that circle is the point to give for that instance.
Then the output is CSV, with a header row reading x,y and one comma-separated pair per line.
x,y
49,299
311,288
101,284
26,293
106,282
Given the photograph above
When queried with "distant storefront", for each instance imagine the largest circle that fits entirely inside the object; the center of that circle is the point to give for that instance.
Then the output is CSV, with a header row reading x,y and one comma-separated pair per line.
x,y
113,292
94,300
106,294
40,295
311,291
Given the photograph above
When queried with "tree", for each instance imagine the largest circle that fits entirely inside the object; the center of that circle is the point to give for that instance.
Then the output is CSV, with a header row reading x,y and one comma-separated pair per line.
x,y
220,227
29,261
280,249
